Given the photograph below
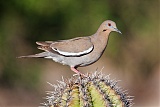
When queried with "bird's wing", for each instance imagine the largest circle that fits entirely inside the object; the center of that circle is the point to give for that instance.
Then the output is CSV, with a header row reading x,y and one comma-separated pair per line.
x,y
72,47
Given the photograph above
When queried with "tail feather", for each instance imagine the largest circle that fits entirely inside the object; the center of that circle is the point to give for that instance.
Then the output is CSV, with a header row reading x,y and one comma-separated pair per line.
x,y
39,55
47,43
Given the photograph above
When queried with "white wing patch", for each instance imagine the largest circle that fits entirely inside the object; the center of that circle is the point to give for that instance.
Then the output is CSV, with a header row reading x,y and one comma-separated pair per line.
x,y
73,54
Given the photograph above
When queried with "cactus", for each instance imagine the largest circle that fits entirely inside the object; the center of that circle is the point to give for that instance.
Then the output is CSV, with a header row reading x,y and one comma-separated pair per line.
x,y
94,90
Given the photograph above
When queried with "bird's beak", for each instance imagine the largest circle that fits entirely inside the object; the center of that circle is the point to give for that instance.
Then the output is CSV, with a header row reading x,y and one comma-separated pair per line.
x,y
117,30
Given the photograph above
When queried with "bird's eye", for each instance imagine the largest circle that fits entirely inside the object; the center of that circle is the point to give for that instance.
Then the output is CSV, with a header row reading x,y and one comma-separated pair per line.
x,y
109,24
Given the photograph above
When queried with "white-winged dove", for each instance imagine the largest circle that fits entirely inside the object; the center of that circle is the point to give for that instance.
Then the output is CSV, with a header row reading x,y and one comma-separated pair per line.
x,y
80,51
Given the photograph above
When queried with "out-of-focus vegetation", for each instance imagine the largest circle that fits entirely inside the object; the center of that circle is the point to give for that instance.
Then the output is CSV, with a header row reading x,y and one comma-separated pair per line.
x,y
23,22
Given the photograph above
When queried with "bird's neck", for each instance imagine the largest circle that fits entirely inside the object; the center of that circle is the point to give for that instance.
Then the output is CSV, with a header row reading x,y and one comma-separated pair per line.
x,y
101,39
102,36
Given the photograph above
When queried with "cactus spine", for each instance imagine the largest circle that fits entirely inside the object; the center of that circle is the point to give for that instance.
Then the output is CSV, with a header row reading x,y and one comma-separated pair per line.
x,y
94,90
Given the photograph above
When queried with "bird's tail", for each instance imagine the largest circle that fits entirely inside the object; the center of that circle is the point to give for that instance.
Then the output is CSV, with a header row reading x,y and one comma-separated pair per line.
x,y
39,55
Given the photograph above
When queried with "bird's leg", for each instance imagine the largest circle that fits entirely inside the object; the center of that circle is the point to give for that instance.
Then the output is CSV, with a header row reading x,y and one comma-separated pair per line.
x,y
76,71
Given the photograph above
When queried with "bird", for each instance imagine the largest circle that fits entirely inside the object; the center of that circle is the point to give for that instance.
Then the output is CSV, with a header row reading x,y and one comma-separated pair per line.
x,y
79,51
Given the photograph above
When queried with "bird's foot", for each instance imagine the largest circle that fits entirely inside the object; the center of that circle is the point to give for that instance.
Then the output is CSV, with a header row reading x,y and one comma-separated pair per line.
x,y
77,72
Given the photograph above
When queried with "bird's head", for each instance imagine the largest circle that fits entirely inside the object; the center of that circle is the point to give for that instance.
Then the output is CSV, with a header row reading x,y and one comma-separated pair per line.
x,y
109,25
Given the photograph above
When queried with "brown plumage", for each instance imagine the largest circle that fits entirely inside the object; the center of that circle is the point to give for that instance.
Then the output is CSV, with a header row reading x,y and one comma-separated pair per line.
x,y
80,51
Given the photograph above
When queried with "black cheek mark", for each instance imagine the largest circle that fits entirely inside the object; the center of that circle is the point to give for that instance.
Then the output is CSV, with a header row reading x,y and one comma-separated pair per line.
x,y
104,30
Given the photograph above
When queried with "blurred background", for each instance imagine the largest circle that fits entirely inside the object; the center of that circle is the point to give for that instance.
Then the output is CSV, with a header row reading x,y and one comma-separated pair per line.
x,y
132,57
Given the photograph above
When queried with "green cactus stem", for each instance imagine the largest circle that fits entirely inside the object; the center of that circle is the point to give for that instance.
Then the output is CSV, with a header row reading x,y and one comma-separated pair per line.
x,y
94,90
